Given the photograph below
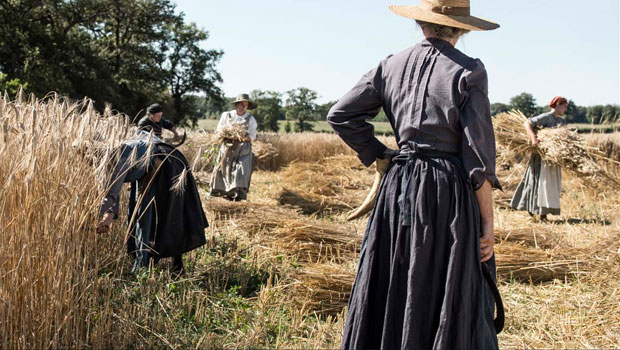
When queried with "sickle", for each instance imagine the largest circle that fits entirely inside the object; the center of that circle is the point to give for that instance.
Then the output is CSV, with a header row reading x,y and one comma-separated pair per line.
x,y
369,202
182,140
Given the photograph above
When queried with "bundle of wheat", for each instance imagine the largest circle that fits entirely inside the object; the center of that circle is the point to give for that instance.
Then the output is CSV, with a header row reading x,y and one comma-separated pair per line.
x,y
525,263
232,133
559,146
568,149
327,286
333,185
201,149
529,236
265,156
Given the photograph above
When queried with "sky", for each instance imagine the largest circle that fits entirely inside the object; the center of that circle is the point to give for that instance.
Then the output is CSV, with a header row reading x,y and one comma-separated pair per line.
x,y
543,47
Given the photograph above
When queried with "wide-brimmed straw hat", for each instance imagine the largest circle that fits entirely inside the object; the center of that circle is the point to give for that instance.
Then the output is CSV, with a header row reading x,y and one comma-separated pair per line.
x,y
245,97
452,13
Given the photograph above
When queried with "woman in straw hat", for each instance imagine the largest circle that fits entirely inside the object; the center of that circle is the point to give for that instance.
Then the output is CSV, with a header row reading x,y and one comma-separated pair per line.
x,y
426,270
539,190
233,171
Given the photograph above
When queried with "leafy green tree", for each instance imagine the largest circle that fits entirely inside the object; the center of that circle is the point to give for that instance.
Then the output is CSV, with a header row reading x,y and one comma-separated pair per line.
x,y
301,106
129,53
594,114
269,109
497,108
524,102
575,114
11,86
287,127
188,68
323,109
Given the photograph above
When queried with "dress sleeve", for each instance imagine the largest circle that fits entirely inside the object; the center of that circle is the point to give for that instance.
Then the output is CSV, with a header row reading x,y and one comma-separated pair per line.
x,y
222,122
478,139
540,121
167,124
110,202
349,116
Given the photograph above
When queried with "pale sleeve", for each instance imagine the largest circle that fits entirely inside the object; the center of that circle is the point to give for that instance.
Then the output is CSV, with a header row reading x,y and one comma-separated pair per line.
x,y
222,122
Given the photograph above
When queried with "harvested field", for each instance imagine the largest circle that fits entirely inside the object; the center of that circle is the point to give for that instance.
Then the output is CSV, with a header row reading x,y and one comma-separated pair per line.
x,y
277,270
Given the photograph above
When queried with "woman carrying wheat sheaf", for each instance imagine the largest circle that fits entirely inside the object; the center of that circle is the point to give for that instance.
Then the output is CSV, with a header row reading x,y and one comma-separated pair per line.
x,y
539,190
426,270
233,170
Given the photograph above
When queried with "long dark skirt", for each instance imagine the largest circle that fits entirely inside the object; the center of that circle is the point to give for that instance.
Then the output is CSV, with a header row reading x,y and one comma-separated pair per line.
x,y
419,283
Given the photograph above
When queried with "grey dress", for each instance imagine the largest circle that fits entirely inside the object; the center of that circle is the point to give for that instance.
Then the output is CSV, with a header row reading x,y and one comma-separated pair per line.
x,y
539,190
420,283
233,171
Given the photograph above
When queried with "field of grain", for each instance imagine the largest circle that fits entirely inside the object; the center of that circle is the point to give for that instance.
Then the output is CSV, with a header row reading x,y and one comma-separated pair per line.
x,y
276,270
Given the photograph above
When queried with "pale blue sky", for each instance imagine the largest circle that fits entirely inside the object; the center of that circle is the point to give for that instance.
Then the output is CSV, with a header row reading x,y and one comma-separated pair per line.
x,y
545,47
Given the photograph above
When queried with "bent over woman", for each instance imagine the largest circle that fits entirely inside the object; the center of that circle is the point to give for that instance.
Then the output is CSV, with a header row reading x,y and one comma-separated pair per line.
x,y
426,271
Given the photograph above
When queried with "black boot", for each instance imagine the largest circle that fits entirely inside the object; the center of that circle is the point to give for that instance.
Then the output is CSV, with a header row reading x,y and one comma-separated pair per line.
x,y
178,270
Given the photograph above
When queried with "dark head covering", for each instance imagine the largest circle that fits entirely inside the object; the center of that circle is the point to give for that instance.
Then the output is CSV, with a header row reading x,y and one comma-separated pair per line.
x,y
558,100
154,108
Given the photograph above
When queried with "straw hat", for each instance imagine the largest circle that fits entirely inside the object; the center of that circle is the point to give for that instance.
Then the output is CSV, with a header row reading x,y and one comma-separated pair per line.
x,y
452,13
245,97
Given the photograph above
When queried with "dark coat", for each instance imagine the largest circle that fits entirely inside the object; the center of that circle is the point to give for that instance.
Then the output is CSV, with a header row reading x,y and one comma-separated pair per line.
x,y
181,221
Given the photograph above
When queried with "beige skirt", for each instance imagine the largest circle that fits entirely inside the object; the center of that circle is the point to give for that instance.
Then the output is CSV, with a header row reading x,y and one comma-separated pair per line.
x,y
539,191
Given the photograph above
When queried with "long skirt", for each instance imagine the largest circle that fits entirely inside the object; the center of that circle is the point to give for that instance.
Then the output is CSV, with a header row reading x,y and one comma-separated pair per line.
x,y
540,188
420,283
233,171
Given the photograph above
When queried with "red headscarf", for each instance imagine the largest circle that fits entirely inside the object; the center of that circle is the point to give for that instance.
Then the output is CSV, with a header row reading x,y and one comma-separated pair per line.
x,y
558,100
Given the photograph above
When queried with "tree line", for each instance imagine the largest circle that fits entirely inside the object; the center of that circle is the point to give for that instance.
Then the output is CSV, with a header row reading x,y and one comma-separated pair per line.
x,y
526,103
299,108
127,53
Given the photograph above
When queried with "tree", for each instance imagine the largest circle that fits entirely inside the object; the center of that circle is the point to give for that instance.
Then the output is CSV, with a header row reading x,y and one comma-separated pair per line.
x,y
497,108
129,53
594,114
525,103
11,86
301,106
575,114
323,109
189,68
269,109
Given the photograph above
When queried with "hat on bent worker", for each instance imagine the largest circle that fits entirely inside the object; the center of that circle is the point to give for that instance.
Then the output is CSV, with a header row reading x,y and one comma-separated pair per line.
x,y
451,13
246,98
154,108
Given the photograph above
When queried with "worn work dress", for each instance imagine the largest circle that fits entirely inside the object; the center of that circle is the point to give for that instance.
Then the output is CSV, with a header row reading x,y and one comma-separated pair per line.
x,y
233,171
420,282
541,186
